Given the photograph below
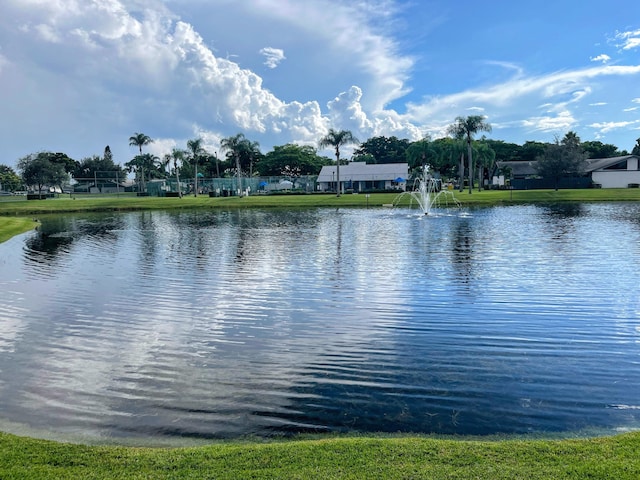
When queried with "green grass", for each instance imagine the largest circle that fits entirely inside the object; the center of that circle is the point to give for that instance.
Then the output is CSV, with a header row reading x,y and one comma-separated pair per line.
x,y
16,207
615,457
10,226
80,203
367,458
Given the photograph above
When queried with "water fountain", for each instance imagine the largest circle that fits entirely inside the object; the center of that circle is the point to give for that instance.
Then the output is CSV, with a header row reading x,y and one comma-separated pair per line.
x,y
427,192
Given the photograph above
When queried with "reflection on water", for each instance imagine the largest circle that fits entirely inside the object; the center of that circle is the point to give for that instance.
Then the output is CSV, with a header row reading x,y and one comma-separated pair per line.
x,y
154,325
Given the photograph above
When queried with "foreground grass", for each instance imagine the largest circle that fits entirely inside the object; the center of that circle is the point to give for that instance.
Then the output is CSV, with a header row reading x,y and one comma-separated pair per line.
x,y
10,226
407,457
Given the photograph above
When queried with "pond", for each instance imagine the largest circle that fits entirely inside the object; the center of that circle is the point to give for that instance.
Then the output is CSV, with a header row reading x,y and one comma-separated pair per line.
x,y
152,327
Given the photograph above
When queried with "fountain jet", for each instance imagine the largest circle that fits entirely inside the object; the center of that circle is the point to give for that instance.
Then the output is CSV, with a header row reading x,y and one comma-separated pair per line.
x,y
427,192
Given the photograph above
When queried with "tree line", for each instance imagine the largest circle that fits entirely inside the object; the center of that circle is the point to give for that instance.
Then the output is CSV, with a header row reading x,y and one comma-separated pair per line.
x,y
452,157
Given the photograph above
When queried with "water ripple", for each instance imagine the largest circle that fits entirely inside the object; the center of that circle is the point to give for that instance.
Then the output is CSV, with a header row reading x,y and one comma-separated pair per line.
x,y
225,324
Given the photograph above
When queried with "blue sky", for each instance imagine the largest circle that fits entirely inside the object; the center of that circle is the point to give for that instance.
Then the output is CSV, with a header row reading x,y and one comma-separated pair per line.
x,y
77,75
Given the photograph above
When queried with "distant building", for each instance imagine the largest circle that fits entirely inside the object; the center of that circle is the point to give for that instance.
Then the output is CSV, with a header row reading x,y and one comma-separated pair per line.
x,y
614,172
360,177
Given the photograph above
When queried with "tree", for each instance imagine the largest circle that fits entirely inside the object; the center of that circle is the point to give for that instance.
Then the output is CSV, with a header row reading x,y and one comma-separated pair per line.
x,y
337,139
251,150
244,152
382,150
291,157
441,155
177,156
449,154
418,153
598,149
486,160
211,164
108,156
141,163
139,140
67,163
531,150
233,146
467,127
562,158
10,181
505,152
95,167
38,170
196,151
636,148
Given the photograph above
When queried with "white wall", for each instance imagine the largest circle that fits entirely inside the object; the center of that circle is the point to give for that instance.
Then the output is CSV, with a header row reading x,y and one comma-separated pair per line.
x,y
616,178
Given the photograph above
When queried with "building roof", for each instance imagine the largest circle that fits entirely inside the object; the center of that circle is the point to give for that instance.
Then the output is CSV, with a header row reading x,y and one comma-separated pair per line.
x,y
594,164
520,168
361,171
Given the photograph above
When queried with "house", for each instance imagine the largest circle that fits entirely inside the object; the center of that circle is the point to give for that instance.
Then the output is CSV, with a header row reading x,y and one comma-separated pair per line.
x,y
614,172
360,177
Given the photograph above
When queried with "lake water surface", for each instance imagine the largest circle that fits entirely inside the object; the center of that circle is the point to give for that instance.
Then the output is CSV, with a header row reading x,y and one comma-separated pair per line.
x,y
154,327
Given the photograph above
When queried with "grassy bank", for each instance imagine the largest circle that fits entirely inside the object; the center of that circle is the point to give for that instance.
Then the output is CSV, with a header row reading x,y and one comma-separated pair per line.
x,y
22,211
408,457
80,203
10,226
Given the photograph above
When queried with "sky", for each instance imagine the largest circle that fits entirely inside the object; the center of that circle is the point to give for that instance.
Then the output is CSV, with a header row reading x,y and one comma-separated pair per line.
x,y
77,75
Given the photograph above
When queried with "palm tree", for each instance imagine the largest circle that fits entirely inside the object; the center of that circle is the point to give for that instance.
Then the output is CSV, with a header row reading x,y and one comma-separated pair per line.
x,y
337,139
252,150
465,128
486,158
196,150
177,155
233,145
139,140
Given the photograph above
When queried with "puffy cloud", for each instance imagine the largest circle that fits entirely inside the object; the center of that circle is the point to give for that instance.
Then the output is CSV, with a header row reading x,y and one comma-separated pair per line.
x,y
346,111
273,56
604,58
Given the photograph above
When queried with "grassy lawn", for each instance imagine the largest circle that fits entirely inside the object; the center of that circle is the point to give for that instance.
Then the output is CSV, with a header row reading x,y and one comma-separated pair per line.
x,y
80,203
368,458
17,213
615,457
10,226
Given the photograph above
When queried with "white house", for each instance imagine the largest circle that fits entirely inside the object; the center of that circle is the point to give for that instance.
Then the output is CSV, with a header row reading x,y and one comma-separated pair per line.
x,y
616,172
360,176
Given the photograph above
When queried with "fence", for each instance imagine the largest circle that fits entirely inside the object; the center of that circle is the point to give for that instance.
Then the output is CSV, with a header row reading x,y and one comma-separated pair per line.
x,y
227,186
550,183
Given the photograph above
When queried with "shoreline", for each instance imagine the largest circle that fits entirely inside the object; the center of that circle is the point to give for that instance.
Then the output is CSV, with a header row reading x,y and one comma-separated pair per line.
x,y
326,456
